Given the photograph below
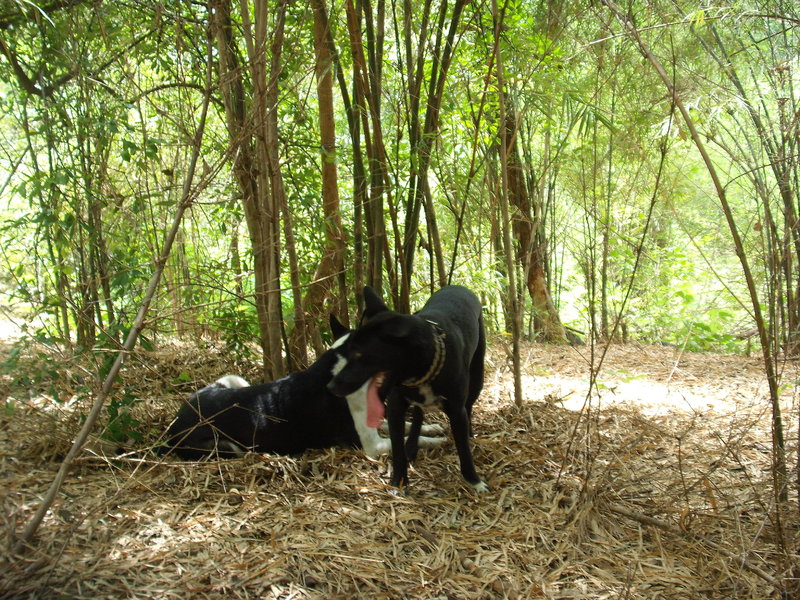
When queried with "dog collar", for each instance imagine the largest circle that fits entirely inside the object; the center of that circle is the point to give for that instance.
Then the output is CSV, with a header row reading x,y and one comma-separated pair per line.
x,y
439,354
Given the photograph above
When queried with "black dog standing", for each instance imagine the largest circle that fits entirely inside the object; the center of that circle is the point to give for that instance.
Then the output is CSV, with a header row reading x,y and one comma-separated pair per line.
x,y
431,358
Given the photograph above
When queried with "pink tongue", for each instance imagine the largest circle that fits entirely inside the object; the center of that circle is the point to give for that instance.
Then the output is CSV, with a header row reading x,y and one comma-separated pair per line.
x,y
375,408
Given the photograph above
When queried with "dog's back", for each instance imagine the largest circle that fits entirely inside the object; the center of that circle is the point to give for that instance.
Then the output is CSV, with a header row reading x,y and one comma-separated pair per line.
x,y
286,416
461,308
456,308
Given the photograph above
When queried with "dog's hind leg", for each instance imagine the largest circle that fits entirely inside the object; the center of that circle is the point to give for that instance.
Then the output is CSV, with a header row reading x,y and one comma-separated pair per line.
x,y
432,429
426,442
459,423
476,368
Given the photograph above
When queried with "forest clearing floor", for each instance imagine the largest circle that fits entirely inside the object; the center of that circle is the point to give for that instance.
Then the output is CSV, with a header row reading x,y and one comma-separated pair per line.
x,y
660,487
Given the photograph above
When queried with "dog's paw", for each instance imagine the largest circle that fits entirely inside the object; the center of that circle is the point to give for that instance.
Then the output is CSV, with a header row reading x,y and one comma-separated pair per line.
x,y
374,448
398,492
431,442
432,429
480,487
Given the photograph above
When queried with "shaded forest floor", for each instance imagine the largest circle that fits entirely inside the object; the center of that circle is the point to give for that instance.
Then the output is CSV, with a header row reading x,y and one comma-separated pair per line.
x,y
657,488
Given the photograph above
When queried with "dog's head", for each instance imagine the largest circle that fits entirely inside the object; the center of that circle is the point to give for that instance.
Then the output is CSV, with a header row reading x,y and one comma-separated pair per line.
x,y
386,349
363,407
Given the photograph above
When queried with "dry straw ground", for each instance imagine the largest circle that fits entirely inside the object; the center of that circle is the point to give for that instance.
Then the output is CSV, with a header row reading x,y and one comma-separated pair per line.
x,y
658,488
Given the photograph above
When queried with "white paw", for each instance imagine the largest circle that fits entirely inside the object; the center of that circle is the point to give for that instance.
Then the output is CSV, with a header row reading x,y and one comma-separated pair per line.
x,y
431,442
480,487
377,447
433,429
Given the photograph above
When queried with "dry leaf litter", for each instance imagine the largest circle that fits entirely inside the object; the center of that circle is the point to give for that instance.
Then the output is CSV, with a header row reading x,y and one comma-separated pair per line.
x,y
655,485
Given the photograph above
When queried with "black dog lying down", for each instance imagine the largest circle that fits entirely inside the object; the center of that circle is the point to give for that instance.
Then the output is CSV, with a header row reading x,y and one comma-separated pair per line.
x,y
287,416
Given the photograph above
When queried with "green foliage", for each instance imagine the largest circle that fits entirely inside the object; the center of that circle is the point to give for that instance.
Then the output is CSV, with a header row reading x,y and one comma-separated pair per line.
x,y
122,426
238,325
30,366
96,167
712,335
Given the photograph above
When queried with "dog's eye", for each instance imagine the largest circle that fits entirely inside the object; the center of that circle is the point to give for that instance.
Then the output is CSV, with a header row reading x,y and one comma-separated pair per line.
x,y
355,355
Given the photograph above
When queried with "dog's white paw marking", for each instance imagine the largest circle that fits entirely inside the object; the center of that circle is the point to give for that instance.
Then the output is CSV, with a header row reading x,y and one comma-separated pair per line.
x,y
432,429
431,442
480,487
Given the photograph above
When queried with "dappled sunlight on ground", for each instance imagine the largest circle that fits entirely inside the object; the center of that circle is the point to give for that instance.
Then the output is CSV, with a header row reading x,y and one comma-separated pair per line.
x,y
656,380
651,397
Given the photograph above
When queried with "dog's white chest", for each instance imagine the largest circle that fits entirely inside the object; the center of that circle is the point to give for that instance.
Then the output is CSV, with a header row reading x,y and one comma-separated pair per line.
x,y
426,400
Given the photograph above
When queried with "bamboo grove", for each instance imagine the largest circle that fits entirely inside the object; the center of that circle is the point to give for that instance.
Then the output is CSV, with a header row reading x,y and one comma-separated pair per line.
x,y
596,172
523,148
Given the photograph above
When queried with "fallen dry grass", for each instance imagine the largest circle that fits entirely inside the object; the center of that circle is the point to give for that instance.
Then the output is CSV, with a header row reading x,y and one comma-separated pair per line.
x,y
656,486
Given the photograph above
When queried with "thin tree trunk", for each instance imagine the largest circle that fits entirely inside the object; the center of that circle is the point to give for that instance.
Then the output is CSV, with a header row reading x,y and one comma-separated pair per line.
x,y
531,251
439,273
260,209
780,162
604,320
359,177
47,203
330,273
324,66
503,193
297,355
422,145
236,260
366,86
130,341
270,189
380,187
298,342
277,195
101,268
779,473
85,325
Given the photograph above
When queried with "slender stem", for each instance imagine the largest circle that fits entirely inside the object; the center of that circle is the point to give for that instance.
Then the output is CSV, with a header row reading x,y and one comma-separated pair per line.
x,y
779,457
186,200
504,209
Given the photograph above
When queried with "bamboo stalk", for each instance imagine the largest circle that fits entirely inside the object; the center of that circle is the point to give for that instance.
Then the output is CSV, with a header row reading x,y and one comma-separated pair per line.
x,y
779,457
24,539
503,192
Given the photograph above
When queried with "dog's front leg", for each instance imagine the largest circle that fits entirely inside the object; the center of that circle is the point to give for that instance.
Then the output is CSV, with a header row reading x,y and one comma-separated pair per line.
x,y
412,443
396,415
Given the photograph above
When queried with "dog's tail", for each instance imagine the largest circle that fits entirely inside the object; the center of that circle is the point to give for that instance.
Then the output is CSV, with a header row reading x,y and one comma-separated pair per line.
x,y
231,381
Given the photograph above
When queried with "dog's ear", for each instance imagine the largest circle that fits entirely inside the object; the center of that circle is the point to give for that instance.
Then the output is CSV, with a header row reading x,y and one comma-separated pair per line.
x,y
396,328
337,328
372,303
